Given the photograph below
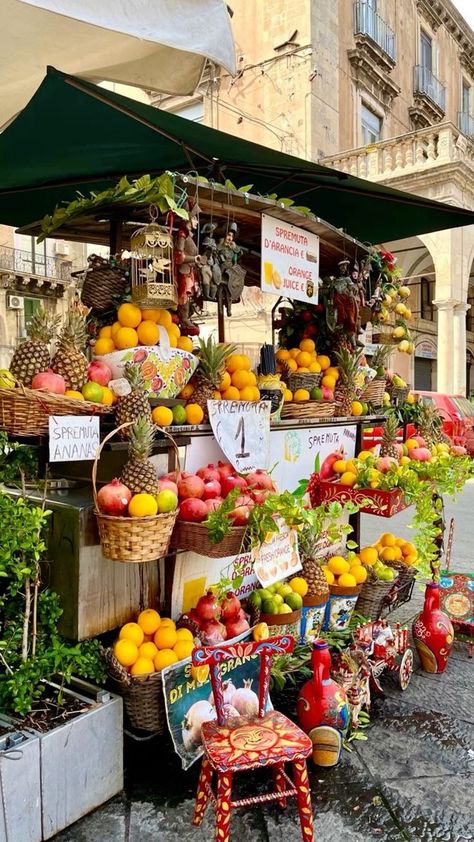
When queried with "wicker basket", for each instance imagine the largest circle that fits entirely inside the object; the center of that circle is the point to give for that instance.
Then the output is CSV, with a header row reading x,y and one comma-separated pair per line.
x,y
142,696
25,412
398,393
373,598
383,339
195,537
103,283
374,391
307,380
308,409
132,539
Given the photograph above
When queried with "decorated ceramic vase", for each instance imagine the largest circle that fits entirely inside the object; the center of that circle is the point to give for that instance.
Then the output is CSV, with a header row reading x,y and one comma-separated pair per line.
x,y
433,632
323,710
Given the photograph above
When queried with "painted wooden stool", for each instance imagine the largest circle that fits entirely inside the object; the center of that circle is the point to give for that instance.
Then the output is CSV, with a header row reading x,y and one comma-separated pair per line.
x,y
239,744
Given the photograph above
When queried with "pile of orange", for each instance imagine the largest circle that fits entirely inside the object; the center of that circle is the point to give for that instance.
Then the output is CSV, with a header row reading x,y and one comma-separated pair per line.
x,y
238,383
305,360
345,572
135,327
390,548
151,643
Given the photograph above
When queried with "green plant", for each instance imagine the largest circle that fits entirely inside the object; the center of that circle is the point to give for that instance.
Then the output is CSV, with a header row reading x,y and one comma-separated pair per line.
x,y
16,461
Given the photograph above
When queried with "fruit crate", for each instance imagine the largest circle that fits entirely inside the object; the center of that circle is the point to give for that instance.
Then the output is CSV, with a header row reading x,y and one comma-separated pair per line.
x,y
372,501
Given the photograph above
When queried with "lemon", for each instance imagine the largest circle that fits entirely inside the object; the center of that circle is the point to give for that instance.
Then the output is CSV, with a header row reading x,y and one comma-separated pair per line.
x,y
162,416
348,478
301,395
368,555
126,652
338,564
359,573
356,408
71,393
299,585
340,466
347,580
328,574
142,505
149,620
133,632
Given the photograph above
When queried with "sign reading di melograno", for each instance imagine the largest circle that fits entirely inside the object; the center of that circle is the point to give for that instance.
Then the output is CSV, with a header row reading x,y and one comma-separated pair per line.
x,y
73,438
289,260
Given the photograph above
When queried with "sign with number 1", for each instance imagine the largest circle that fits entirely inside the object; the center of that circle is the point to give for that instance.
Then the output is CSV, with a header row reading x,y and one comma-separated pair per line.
x,y
242,431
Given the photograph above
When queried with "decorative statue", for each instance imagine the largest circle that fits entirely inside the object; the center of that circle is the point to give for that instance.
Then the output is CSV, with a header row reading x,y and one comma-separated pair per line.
x,y
345,299
185,255
209,267
232,275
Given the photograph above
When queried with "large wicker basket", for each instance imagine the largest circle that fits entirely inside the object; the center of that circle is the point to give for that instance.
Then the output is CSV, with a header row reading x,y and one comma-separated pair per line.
x,y
308,409
142,696
25,412
306,380
103,283
132,539
398,393
374,391
374,597
195,537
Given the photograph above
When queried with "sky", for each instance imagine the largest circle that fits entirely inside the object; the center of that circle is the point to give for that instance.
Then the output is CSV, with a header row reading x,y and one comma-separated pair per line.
x,y
466,7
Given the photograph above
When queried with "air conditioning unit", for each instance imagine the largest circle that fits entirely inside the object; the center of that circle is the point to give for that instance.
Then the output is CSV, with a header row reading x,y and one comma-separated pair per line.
x,y
61,248
15,302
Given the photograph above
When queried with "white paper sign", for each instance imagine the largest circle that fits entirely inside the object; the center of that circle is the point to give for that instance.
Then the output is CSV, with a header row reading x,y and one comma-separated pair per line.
x,y
289,260
278,557
242,431
73,438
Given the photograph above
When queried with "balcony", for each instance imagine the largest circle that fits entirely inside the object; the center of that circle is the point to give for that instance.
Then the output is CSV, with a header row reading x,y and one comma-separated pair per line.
x,y
466,123
42,276
429,95
368,23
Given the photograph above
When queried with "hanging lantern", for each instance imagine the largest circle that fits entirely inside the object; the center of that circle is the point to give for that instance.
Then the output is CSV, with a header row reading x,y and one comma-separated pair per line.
x,y
151,249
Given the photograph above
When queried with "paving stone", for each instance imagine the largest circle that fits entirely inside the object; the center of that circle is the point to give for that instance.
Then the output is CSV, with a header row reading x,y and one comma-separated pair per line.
x,y
109,822
434,809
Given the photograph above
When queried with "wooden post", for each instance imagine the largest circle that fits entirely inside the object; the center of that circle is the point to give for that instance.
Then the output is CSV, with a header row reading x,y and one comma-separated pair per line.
x,y
115,240
220,320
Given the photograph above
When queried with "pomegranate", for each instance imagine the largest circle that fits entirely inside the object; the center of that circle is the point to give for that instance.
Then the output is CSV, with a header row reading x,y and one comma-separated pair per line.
x,y
214,632
113,498
198,713
167,485
245,700
174,475
208,608
224,469
49,381
190,486
212,488
240,515
193,510
420,440
259,496
229,711
194,616
213,503
326,471
99,372
384,463
230,482
228,690
244,500
237,625
260,479
230,607
209,473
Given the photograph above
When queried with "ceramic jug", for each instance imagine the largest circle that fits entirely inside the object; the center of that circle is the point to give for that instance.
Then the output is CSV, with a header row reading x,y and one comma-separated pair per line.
x,y
433,632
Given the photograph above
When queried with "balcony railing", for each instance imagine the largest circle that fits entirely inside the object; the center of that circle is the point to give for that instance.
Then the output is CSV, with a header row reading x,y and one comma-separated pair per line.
x,y
368,22
16,260
466,123
425,82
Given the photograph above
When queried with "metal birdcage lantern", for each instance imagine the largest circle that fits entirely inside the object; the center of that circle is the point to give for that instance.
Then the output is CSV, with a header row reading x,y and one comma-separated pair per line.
x,y
151,248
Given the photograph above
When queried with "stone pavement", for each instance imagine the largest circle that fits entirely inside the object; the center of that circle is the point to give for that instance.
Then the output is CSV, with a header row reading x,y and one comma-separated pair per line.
x,y
412,781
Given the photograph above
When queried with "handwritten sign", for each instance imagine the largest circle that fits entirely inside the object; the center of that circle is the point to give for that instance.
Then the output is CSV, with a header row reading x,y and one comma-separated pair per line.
x,y
73,438
242,431
289,260
278,557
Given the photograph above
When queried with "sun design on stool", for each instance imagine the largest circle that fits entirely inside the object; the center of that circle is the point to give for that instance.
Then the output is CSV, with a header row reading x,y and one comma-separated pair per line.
x,y
253,738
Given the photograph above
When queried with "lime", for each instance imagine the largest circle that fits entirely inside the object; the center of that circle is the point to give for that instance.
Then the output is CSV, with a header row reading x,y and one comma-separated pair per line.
x,y
264,594
316,394
284,609
93,391
255,598
272,588
278,599
167,501
269,607
284,589
179,414
294,600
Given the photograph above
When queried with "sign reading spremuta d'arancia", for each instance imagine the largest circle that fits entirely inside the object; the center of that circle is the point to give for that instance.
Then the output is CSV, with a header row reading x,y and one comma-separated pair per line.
x,y
289,260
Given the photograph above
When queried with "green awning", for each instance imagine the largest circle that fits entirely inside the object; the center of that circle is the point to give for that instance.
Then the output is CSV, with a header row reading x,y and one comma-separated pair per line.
x,y
74,136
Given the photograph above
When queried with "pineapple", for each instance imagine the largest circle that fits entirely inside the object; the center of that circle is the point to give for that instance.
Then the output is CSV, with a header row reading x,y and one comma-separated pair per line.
x,y
139,473
430,425
380,359
389,437
69,360
347,363
212,357
34,355
313,573
134,405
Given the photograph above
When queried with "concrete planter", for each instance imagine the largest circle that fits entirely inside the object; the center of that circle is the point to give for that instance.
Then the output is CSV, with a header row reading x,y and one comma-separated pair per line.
x,y
80,765
20,786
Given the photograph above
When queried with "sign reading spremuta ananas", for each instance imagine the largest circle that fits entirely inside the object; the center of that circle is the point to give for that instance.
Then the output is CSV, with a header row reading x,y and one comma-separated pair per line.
x,y
73,438
289,260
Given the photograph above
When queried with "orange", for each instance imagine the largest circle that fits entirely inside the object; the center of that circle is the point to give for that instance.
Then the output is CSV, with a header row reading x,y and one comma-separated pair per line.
x,y
315,367
231,394
148,650
174,330
142,505
359,573
256,393
292,365
183,648
240,379
410,559
409,549
216,395
165,638
347,580
328,574
301,395
164,659
368,555
340,466
142,666
104,346
299,585
328,381
225,382
126,337
194,413
348,478
304,359
356,406
185,344
282,354
71,393
411,443
387,539
147,333
246,364
234,363
113,331
287,396
162,416
294,353
167,622
397,551
324,362
126,652
400,542
172,340
129,315
105,332
247,394
303,369
108,397
307,345
149,620
151,315
338,564
184,634
133,632
186,392
333,371
252,378
388,554
165,319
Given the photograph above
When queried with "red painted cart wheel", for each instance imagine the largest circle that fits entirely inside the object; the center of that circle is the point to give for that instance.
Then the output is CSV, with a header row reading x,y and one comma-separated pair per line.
x,y
406,669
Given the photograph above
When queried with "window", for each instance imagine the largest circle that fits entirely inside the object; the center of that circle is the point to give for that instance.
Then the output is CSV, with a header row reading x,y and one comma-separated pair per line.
x,y
427,295
466,98
33,256
470,312
31,305
371,125
426,51
194,111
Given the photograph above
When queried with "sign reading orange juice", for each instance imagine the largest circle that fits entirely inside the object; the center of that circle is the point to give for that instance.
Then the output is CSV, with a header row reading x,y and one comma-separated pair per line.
x,y
290,260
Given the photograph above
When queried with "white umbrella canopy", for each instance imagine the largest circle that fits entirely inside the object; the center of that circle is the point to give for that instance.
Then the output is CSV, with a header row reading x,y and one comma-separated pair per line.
x,y
159,45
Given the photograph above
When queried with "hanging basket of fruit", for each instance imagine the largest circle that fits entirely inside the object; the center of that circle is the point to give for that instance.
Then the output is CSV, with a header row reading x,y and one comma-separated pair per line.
x,y
137,531
104,282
